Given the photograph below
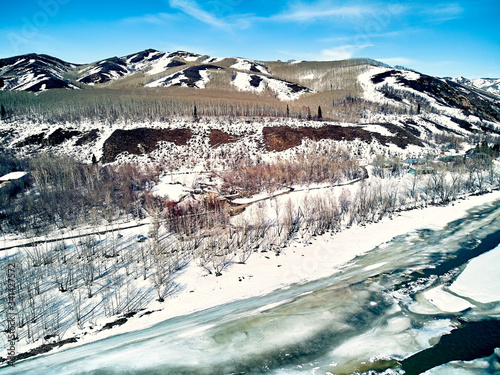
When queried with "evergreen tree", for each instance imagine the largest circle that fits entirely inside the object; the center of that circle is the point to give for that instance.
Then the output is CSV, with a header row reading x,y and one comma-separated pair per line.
x,y
94,159
418,108
287,111
309,117
195,113
320,113
3,112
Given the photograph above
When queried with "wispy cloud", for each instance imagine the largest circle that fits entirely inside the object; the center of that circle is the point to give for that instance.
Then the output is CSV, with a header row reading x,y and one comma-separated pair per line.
x,y
390,34
194,10
343,52
444,11
305,13
327,9
157,19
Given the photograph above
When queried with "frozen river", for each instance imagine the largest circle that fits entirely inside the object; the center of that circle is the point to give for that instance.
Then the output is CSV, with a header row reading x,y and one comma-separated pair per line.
x,y
376,314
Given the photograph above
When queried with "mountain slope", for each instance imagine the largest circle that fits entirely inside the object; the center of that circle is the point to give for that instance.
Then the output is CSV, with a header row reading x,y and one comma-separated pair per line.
x,y
149,61
256,106
408,88
491,85
34,73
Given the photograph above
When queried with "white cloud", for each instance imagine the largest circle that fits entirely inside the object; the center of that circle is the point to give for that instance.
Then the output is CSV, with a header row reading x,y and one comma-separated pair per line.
x,y
450,9
193,9
389,34
157,19
325,9
444,11
303,13
343,52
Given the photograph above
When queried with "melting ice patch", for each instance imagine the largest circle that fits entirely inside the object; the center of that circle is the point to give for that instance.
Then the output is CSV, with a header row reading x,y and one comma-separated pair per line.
x,y
481,279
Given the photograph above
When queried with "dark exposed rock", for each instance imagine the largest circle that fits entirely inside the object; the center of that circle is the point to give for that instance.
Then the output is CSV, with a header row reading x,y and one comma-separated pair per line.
x,y
41,350
107,69
88,137
137,57
116,323
175,63
46,71
255,80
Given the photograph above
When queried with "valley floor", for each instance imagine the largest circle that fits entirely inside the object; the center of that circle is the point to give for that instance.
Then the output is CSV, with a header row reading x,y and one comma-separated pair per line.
x,y
194,289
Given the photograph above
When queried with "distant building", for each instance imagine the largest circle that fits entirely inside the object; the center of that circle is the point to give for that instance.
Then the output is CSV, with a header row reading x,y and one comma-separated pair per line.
x,y
14,181
421,169
415,161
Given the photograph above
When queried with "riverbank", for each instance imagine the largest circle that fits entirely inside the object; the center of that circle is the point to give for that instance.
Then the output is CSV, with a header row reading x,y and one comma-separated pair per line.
x,y
195,290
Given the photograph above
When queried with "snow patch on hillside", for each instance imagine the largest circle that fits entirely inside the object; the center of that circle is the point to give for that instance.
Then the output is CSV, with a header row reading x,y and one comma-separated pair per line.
x,y
184,78
284,90
249,65
370,92
242,82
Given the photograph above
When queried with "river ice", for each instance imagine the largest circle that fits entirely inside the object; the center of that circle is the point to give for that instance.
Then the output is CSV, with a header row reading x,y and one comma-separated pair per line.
x,y
481,279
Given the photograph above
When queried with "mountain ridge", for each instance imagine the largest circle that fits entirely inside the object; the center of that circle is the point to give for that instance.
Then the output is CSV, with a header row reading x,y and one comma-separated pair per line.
x,y
270,105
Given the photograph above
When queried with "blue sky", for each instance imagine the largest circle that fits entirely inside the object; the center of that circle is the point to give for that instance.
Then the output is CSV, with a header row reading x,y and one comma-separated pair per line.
x,y
434,37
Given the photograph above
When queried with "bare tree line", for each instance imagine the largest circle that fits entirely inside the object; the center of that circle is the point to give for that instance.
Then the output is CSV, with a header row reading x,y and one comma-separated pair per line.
x,y
329,164
68,193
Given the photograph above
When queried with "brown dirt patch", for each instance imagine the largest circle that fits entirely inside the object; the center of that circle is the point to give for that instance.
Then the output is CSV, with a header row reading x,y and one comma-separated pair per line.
x,y
60,136
284,137
141,141
218,138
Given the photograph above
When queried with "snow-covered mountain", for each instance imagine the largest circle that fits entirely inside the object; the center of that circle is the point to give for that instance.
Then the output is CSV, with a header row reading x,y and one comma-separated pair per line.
x,y
181,68
491,85
286,81
149,61
430,94
35,73
271,105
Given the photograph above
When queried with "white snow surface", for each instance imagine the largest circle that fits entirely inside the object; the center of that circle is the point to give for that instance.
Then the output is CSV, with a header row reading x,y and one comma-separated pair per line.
x,y
174,191
178,78
13,176
242,82
480,280
160,65
245,64
282,90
